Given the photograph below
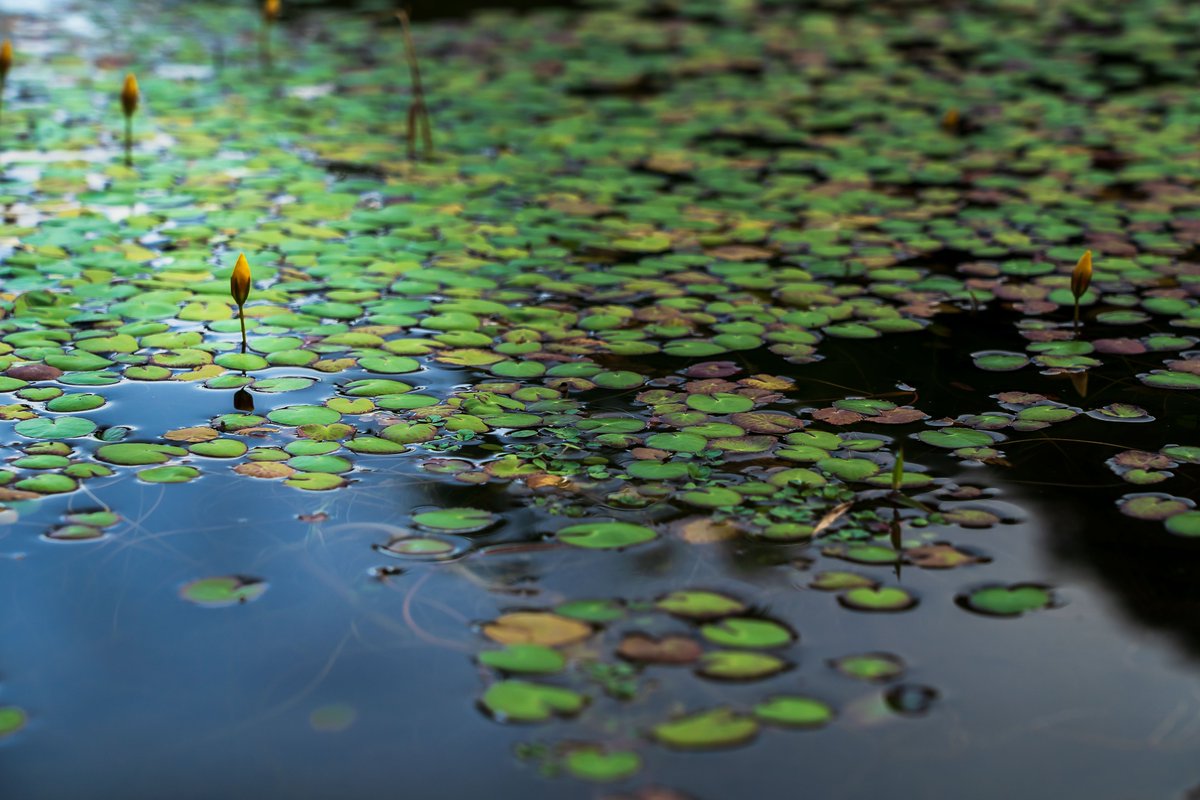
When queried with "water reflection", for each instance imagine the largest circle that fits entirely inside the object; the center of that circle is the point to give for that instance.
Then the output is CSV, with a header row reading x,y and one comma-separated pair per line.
x,y
243,401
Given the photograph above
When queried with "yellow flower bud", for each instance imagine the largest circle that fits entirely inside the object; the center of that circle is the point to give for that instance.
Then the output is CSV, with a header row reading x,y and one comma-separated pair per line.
x,y
271,9
130,95
1081,276
5,58
239,281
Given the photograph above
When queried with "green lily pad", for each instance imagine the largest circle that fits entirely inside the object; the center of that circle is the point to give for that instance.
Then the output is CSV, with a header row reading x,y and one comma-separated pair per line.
x,y
794,711
55,427
223,591
522,701
700,604
456,520
303,415
593,764
169,474
733,665
883,598
746,632
878,667
12,720
138,453
717,728
534,659
605,535
1007,601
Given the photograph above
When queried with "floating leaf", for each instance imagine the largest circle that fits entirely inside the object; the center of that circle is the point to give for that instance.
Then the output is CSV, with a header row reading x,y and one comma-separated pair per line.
x,y
593,764
794,711
522,701
745,632
525,658
12,720
605,535
456,520
55,427
1007,601
643,648
536,627
699,604
733,665
223,591
884,598
720,727
878,667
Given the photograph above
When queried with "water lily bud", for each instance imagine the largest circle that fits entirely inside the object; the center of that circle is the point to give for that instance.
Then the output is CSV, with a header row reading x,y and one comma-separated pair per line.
x,y
1081,276
5,58
130,95
239,281
271,9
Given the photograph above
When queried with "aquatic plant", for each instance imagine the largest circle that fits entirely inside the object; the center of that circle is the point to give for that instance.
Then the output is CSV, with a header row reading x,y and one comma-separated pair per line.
x,y
270,15
418,112
130,96
1081,278
6,60
239,290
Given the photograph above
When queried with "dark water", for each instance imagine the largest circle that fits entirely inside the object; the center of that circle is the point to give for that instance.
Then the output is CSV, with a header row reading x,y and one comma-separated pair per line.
x,y
134,694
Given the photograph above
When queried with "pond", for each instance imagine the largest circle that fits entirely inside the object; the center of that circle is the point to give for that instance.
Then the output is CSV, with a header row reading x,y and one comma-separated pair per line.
x,y
658,400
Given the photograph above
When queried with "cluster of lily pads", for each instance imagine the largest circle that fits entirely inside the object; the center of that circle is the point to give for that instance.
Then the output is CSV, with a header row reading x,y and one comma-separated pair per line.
x,y
641,225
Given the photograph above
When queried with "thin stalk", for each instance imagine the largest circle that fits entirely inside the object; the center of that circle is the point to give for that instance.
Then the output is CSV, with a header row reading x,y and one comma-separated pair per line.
x,y
129,140
242,318
418,112
264,46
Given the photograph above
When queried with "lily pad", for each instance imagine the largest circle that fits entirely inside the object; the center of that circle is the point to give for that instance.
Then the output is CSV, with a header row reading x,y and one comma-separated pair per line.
x,y
456,520
223,591
717,728
605,535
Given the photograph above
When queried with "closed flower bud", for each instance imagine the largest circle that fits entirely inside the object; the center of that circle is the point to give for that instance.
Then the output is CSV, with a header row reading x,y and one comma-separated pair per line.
x,y
239,281
1081,276
271,9
130,95
5,58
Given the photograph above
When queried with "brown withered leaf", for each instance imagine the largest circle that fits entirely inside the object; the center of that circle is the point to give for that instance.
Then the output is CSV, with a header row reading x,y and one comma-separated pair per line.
x,y
942,555
831,516
898,416
705,530
200,433
264,469
16,494
837,416
646,649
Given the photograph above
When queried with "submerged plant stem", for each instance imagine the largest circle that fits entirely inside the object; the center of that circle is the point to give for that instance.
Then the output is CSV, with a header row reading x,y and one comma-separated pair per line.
x,y
418,113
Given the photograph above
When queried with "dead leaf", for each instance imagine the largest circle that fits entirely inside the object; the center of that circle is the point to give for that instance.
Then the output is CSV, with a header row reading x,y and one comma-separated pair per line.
x,y
837,416
264,469
831,516
200,433
705,530
536,627
647,649
942,555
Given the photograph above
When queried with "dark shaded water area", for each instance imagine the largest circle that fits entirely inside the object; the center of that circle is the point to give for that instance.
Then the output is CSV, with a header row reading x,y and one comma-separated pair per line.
x,y
144,692
692,331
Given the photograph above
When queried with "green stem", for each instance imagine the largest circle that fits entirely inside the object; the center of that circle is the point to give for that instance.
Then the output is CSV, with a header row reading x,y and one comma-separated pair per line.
x,y
129,140
264,44
242,317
